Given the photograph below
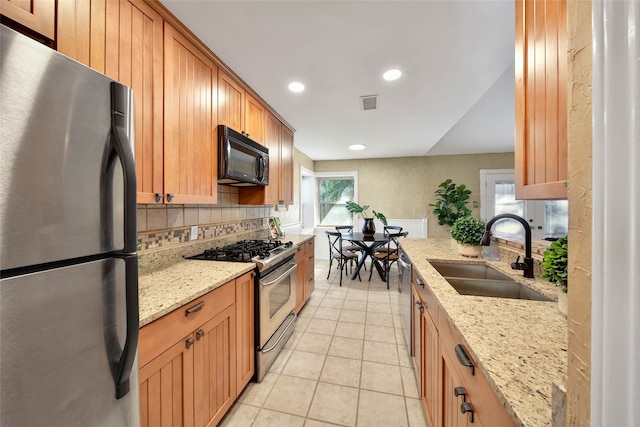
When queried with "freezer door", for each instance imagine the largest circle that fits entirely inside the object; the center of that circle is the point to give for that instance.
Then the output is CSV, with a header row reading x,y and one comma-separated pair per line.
x,y
61,333
61,189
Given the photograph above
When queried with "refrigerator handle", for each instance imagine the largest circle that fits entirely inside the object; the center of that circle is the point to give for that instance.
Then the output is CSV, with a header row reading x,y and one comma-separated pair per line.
x,y
124,364
121,133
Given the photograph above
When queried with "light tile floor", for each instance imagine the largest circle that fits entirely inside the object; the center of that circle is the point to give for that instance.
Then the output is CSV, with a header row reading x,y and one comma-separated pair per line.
x,y
346,363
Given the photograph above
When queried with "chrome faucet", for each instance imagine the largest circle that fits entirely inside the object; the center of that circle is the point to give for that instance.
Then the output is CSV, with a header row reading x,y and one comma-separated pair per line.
x,y
527,265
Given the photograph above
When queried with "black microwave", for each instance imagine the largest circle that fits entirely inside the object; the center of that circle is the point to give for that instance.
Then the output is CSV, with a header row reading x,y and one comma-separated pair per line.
x,y
243,162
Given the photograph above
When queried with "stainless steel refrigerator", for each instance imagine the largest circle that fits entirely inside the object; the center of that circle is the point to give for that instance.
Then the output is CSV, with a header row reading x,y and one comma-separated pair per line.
x,y
68,261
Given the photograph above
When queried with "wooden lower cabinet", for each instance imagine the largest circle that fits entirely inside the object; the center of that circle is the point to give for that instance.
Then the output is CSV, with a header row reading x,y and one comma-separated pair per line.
x,y
195,361
444,383
305,282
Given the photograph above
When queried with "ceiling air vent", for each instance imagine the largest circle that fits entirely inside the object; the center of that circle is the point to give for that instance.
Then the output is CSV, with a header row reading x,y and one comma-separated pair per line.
x,y
369,102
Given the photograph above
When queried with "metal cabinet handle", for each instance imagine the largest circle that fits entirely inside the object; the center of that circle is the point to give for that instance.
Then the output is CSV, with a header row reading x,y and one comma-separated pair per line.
x,y
419,305
464,359
199,334
466,407
158,197
169,197
420,282
199,306
459,391
189,342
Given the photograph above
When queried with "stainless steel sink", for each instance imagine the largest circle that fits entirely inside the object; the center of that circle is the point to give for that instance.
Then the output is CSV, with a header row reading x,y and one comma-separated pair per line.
x,y
482,280
469,271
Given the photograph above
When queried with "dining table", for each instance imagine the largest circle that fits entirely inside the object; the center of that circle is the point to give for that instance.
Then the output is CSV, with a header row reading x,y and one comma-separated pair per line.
x,y
368,243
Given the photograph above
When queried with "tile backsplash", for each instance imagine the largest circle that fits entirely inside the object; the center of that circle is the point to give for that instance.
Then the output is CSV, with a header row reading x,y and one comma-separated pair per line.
x,y
166,225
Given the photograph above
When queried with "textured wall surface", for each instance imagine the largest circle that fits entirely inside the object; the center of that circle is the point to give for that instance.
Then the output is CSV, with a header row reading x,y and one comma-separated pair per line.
x,y
580,212
404,187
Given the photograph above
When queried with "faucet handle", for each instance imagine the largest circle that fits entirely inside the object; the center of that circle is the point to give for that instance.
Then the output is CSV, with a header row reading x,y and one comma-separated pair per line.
x,y
517,265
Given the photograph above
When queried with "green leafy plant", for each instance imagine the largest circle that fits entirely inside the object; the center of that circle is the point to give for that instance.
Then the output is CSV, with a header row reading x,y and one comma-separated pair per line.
x,y
469,230
451,203
554,263
353,207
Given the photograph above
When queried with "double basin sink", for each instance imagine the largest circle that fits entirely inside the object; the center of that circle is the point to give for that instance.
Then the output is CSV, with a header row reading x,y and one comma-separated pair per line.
x,y
482,280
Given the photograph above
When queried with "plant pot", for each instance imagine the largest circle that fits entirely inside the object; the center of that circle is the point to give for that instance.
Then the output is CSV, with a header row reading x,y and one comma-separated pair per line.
x,y
368,228
563,302
465,249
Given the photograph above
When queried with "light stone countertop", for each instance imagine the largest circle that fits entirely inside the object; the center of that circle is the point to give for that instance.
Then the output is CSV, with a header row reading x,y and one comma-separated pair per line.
x,y
166,289
520,345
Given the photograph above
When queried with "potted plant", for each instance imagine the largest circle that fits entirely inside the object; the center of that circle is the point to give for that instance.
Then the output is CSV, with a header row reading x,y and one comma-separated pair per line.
x,y
451,202
554,264
369,227
467,231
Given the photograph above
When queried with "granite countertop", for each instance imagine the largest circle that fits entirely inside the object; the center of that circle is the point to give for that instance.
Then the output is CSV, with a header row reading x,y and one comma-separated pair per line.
x,y
165,289
520,345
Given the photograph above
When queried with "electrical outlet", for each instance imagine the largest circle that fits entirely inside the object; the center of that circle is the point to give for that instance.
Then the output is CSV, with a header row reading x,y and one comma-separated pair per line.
x,y
194,232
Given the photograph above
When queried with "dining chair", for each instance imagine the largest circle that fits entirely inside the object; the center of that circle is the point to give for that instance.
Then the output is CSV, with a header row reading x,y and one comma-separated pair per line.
x,y
390,256
388,229
349,246
337,252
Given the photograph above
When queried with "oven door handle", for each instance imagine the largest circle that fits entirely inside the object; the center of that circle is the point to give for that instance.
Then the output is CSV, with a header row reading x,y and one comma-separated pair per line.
x,y
295,316
286,273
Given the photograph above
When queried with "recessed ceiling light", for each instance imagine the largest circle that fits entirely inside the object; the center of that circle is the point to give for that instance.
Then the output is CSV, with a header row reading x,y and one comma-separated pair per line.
x,y
393,74
356,147
296,87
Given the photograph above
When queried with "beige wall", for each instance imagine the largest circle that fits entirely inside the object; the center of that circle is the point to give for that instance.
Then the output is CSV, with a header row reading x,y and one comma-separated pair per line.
x,y
404,187
580,213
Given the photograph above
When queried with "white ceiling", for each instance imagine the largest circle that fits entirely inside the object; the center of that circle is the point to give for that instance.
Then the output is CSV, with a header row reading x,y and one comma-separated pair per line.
x,y
457,57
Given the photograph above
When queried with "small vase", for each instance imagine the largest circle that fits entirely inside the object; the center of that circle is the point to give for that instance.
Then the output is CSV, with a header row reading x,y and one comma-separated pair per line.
x,y
368,228
469,250
563,302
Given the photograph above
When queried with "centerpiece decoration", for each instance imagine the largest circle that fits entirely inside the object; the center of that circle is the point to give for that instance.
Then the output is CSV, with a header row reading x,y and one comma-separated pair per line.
x,y
368,228
467,231
554,264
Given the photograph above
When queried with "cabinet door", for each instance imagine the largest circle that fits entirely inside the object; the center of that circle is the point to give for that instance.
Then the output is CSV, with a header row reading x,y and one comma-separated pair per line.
x,y
309,284
254,119
214,367
430,368
245,329
541,99
301,273
139,65
416,343
286,166
190,116
230,102
37,15
452,416
166,387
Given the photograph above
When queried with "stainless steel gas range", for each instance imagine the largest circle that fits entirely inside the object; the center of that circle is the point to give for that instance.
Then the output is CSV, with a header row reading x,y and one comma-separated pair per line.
x,y
275,282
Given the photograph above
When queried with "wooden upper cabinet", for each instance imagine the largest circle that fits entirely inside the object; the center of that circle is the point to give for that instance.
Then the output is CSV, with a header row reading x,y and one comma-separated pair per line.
x,y
286,166
190,118
541,99
238,109
134,57
36,15
230,102
279,141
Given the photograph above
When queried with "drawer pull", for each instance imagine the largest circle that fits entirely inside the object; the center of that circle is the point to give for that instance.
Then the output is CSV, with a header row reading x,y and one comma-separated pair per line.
x,y
199,306
466,407
459,391
420,282
189,342
199,334
463,358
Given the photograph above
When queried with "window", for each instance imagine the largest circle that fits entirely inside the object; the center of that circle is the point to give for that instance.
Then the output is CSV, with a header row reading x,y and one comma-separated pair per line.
x,y
548,218
333,193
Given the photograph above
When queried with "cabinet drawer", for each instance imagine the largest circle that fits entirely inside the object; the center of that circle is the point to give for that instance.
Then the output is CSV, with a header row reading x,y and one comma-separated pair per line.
x,y
310,245
160,334
301,253
428,298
